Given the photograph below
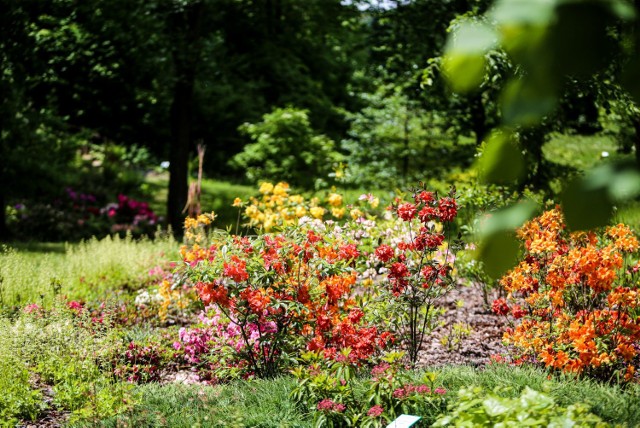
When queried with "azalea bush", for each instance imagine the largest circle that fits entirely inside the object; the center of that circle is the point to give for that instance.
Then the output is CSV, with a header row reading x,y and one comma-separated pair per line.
x,y
575,296
277,206
418,264
285,292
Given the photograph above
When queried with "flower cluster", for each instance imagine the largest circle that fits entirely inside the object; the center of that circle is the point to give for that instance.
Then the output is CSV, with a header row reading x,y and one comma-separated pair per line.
x,y
130,214
140,363
577,303
277,207
419,269
285,292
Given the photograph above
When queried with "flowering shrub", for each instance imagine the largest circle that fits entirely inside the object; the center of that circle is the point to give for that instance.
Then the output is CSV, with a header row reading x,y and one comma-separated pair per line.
x,y
277,207
284,292
327,390
131,215
578,306
419,266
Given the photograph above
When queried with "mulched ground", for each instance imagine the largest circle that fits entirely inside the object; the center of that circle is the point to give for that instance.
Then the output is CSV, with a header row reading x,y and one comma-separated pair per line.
x,y
475,349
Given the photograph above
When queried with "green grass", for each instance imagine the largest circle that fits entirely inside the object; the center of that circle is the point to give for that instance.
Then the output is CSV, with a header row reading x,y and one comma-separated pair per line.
x,y
266,403
82,271
581,151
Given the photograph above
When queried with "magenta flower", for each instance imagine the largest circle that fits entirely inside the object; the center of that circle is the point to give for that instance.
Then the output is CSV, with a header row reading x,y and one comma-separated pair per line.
x,y
375,411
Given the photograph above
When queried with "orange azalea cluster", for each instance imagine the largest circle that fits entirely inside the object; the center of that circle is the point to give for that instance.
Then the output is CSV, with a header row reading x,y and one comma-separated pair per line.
x,y
580,309
283,287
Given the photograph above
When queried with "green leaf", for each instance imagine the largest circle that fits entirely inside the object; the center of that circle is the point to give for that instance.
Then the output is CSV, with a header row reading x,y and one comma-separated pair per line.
x,y
579,39
498,248
464,60
631,78
502,161
525,102
586,202
519,12
494,407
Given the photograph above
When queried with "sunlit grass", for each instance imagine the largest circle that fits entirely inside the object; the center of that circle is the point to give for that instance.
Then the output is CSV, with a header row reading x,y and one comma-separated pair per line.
x,y
85,270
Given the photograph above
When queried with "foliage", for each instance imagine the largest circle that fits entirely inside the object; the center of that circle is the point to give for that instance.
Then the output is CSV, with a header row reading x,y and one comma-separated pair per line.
x,y
285,148
61,348
419,267
532,408
576,300
327,389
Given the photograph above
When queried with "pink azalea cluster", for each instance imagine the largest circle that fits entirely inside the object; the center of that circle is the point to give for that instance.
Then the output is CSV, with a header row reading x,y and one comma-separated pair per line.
x,y
410,389
328,405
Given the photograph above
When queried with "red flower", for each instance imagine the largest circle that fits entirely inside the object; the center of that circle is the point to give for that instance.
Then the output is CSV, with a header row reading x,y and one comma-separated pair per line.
x,y
406,211
384,253
399,270
375,411
500,307
348,252
427,214
425,197
237,270
447,209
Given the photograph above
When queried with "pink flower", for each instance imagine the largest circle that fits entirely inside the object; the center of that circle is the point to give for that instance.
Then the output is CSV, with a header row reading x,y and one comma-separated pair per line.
x,y
440,391
375,411
326,404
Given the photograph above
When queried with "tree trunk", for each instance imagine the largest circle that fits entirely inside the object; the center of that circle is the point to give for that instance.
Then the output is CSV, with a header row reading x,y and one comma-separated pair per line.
x,y
186,25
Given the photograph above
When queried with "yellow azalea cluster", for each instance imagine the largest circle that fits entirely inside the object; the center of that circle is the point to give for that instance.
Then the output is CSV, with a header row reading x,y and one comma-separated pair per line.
x,y
195,227
173,298
278,207
579,315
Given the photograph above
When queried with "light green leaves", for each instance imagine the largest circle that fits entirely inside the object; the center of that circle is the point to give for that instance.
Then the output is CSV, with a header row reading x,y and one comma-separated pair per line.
x,y
501,161
589,201
498,248
464,60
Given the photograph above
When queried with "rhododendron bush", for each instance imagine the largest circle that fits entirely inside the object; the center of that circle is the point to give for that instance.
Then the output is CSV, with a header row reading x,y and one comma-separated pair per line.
x,y
576,296
419,264
285,292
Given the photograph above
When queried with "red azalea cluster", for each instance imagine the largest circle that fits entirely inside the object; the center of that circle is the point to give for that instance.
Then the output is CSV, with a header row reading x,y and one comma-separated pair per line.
x,y
428,208
269,280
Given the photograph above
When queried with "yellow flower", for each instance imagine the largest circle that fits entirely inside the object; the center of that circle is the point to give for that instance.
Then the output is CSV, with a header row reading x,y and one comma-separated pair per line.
x,y
356,213
374,202
204,219
266,188
237,202
335,199
281,189
251,211
317,212
338,212
301,212
296,199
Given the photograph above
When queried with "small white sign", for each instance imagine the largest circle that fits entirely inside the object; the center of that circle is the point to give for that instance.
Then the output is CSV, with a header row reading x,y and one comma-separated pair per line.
x,y
404,421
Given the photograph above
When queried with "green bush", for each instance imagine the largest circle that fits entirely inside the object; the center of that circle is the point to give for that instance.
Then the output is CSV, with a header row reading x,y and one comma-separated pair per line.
x,y
285,148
